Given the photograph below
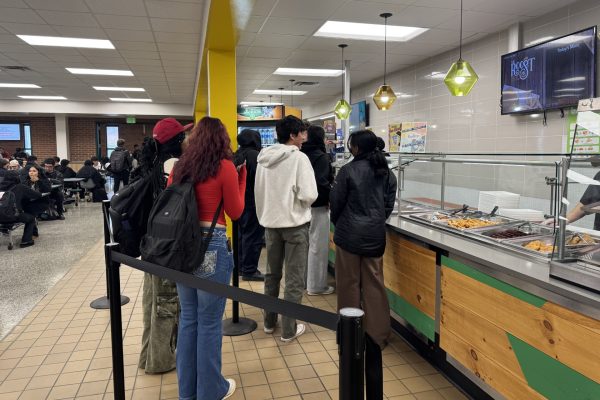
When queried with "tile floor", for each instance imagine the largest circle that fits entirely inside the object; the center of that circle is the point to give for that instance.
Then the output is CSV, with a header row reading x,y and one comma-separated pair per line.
x,y
61,350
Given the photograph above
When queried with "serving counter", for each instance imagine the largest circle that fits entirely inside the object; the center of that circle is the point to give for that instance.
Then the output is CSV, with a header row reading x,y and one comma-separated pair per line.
x,y
494,315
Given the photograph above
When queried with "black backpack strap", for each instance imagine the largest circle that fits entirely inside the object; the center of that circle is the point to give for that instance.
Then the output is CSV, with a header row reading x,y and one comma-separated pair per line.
x,y
206,241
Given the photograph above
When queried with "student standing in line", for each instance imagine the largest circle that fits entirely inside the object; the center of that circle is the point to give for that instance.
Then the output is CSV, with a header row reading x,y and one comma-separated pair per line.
x,y
318,248
120,165
251,233
207,163
362,199
284,190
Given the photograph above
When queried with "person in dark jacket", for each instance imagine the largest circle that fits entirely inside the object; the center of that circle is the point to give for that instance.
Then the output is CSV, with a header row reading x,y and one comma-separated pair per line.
x,y
24,196
120,165
250,232
65,170
24,172
55,178
37,181
88,171
318,235
362,198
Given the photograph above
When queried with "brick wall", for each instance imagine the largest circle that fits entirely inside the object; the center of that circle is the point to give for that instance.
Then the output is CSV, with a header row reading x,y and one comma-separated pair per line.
x,y
43,136
82,138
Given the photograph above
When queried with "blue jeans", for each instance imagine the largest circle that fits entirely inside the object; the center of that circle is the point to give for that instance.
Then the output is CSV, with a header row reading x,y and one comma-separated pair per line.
x,y
200,335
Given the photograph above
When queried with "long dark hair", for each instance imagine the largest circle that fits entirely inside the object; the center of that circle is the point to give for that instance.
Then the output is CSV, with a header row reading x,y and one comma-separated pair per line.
x,y
366,143
208,144
315,138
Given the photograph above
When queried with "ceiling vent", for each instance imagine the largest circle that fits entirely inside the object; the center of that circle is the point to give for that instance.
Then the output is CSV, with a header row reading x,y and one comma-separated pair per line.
x,y
305,83
15,68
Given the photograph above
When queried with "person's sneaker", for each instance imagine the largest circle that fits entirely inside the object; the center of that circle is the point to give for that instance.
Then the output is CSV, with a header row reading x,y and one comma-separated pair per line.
x,y
26,244
329,290
269,330
231,388
300,328
61,217
257,276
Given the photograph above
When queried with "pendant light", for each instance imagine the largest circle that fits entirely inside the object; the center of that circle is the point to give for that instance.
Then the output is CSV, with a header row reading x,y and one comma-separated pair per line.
x,y
384,96
292,92
342,109
461,77
281,95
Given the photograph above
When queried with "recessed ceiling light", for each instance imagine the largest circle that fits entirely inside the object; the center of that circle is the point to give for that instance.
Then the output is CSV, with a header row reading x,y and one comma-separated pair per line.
x,y
282,92
43,97
308,72
360,31
19,85
258,103
130,100
120,89
67,42
93,71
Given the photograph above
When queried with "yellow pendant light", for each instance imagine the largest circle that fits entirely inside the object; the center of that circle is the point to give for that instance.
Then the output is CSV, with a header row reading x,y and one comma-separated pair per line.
x,y
342,109
384,96
461,77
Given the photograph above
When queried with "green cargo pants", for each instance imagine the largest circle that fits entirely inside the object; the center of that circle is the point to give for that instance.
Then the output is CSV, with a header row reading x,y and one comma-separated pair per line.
x,y
160,306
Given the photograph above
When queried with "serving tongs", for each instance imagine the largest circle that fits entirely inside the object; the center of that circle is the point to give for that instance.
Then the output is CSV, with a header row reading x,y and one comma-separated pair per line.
x,y
582,241
463,210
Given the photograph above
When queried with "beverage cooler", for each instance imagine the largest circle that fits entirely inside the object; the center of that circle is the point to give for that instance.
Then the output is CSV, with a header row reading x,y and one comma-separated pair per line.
x,y
263,119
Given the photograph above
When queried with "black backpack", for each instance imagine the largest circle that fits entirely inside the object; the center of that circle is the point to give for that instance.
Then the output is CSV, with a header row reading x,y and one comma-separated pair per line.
x,y
174,236
8,207
118,161
130,208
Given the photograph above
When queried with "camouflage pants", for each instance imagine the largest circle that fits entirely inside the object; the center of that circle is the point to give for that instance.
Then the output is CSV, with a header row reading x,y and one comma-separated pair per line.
x,y
160,306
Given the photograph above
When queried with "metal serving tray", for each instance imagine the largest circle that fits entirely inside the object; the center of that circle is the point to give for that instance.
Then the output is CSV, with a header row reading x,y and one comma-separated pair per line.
x,y
442,218
407,208
515,230
572,249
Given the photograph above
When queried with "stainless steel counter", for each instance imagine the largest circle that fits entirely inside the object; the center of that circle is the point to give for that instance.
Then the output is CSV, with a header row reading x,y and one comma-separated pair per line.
x,y
518,270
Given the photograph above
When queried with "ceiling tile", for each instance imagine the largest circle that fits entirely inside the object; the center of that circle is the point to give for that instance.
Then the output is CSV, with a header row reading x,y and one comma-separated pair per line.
x,y
254,24
183,38
367,12
316,9
81,32
118,7
174,25
292,26
277,40
58,5
122,21
29,29
177,48
68,18
263,7
129,35
477,21
174,9
20,15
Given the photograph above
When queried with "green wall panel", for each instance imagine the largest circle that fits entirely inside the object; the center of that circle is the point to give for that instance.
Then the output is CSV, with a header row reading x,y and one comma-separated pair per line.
x,y
419,320
550,377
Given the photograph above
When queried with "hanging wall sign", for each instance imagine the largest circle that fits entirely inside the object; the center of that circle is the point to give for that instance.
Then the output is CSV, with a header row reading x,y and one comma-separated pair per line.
x,y
394,131
260,113
413,136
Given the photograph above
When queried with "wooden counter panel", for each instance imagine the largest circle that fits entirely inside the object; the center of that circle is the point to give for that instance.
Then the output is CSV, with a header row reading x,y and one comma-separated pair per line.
x,y
512,386
569,343
413,291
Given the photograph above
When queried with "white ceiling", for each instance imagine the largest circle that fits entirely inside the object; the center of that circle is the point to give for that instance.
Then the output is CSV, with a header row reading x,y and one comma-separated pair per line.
x,y
159,40
279,34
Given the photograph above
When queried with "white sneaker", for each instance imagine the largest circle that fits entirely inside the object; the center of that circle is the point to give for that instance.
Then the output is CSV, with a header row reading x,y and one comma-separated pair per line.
x,y
329,290
231,388
269,330
300,328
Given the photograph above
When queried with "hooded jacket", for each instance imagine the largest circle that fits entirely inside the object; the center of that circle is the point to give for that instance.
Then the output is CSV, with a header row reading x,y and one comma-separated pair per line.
x,y
24,195
285,187
319,160
250,145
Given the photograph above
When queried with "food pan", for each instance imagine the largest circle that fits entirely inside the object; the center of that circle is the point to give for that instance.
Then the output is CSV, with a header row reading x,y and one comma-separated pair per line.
x,y
514,231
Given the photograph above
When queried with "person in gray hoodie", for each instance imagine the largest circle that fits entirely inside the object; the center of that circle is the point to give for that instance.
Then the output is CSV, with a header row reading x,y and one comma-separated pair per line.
x,y
285,188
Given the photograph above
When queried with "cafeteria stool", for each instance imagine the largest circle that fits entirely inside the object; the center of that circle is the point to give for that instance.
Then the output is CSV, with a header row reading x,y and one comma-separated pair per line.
x,y
7,229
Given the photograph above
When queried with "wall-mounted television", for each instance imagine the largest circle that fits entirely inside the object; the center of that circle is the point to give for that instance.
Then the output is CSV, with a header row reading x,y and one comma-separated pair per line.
x,y
550,75
359,117
10,132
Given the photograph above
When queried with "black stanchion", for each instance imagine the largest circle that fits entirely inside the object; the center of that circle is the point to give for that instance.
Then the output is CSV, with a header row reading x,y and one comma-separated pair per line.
x,y
351,348
237,326
116,329
103,303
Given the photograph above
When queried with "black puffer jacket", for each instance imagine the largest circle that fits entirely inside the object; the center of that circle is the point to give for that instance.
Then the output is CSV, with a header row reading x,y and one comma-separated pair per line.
x,y
360,204
250,145
321,164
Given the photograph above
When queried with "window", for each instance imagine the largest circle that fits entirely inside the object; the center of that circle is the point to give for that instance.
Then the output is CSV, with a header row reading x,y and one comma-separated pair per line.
x,y
27,139
112,135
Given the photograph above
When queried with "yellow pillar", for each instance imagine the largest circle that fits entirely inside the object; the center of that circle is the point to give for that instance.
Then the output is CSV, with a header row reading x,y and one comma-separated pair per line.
x,y
222,95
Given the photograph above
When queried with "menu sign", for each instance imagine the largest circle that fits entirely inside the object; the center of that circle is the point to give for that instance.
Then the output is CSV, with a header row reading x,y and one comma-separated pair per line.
x,y
408,137
260,113
394,131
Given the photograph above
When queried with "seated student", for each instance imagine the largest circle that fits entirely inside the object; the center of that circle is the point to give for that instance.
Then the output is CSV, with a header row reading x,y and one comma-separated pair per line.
x,y
31,160
96,163
65,170
56,161
89,172
13,165
24,197
37,181
3,166
20,154
56,178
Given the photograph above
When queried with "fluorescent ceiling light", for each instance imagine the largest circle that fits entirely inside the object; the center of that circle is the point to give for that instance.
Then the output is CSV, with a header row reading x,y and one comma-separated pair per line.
x,y
308,72
540,40
283,92
120,89
258,103
43,97
130,100
360,31
573,79
19,85
67,42
93,71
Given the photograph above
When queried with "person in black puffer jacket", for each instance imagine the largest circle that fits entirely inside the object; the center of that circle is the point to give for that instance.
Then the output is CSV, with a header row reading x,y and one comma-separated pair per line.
x,y
250,232
362,198
318,234
24,197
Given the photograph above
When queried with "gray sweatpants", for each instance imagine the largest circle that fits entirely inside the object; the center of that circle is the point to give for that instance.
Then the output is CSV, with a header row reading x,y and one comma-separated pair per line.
x,y
289,245
318,250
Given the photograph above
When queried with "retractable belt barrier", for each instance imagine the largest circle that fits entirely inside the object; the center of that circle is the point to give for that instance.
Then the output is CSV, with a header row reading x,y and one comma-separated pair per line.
x,y
347,324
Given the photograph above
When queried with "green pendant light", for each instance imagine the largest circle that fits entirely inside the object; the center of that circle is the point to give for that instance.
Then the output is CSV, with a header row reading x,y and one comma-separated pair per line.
x,y
461,77
342,109
384,96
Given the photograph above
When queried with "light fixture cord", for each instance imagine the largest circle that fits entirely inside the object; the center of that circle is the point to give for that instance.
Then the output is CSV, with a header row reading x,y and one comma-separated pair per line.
x,y
343,73
281,95
291,93
385,49
460,38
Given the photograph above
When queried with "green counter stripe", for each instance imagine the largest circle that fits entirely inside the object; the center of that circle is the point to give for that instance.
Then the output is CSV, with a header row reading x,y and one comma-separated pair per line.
x,y
419,320
550,377
493,282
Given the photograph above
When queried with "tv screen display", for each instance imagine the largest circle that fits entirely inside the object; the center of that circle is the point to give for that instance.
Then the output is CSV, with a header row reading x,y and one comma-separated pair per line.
x,y
359,118
10,132
550,75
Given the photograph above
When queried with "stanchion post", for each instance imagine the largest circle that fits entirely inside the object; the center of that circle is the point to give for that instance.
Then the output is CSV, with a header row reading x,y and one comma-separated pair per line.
x,y
351,348
236,326
116,328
